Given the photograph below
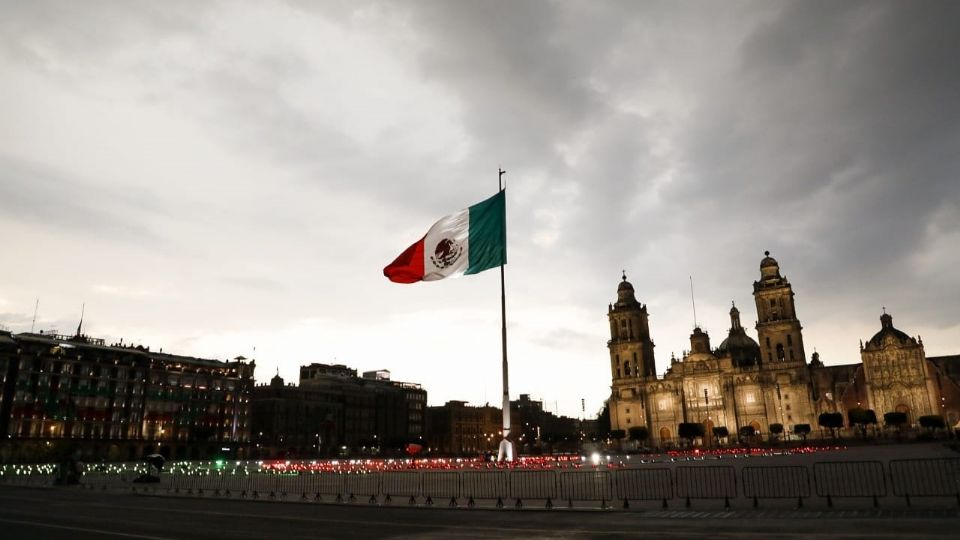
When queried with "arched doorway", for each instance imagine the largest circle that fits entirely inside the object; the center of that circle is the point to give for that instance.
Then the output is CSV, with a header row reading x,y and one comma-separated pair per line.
x,y
664,435
901,408
756,428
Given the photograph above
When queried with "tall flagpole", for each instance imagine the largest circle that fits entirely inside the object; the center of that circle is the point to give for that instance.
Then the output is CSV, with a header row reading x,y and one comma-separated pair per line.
x,y
506,447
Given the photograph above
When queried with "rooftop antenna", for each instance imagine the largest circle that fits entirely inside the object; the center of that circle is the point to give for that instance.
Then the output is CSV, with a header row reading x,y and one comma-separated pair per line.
x,y
35,308
694,302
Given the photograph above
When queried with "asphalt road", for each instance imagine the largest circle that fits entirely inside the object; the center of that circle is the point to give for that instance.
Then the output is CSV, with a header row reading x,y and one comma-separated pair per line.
x,y
72,513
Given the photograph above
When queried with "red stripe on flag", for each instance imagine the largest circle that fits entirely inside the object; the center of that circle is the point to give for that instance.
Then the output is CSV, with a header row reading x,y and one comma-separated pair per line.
x,y
408,267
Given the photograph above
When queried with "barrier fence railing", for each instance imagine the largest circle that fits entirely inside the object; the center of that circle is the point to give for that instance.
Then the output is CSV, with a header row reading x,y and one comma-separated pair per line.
x,y
777,482
937,477
647,484
850,479
829,480
706,482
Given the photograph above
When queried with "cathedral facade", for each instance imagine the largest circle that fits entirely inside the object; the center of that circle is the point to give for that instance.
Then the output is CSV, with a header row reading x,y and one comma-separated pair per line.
x,y
743,382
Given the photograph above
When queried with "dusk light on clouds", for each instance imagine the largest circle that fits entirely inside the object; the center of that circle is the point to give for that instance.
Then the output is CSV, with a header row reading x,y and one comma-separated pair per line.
x,y
218,176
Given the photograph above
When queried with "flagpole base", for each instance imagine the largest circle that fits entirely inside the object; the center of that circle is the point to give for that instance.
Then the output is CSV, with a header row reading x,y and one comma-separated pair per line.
x,y
506,451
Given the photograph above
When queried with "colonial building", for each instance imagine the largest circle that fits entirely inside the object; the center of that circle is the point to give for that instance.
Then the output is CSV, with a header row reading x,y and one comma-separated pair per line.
x,y
456,428
62,394
743,382
333,411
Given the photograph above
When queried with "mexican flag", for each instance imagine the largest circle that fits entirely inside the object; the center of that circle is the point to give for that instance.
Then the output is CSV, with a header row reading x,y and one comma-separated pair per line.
x,y
467,242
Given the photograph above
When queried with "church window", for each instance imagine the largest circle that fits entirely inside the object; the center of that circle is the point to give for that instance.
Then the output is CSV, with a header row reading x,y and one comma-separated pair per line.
x,y
768,342
789,418
750,398
788,406
663,404
791,354
628,411
628,420
780,351
626,368
790,340
618,373
769,357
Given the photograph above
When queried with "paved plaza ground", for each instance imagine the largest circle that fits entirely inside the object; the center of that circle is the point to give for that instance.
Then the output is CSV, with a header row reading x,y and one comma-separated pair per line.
x,y
72,513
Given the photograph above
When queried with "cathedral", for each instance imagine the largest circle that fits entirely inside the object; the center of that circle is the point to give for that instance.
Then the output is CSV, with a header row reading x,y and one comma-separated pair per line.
x,y
743,382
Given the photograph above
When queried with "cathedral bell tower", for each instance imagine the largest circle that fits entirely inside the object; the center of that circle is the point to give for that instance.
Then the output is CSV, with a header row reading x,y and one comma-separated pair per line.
x,y
631,350
778,328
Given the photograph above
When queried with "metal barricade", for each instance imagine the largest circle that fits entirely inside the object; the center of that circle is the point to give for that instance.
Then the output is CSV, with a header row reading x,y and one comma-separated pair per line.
x,y
586,486
706,482
442,485
401,484
646,484
936,477
850,479
329,483
235,484
776,482
286,483
533,484
362,484
263,485
483,485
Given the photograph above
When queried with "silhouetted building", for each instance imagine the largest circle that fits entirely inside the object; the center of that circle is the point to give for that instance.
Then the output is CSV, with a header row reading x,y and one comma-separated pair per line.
x,y
334,412
66,393
456,428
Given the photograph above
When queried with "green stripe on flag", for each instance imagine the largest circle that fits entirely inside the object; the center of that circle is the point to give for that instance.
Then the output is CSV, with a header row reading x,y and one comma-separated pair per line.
x,y
488,234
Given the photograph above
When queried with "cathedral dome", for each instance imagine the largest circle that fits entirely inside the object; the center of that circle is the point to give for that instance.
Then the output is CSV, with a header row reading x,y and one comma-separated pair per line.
x,y
768,261
740,347
769,268
738,341
625,294
887,329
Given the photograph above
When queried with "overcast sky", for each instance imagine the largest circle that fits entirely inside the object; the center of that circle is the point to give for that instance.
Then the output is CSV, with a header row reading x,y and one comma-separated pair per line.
x,y
213,177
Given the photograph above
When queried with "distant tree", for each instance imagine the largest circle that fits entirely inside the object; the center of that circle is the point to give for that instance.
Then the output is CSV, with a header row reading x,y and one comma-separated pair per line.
x,y
802,430
603,420
861,418
618,434
932,422
721,432
747,433
776,429
690,431
895,420
639,433
832,421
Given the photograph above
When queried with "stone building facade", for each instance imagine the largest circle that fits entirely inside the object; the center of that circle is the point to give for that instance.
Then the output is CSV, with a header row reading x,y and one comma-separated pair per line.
x,y
335,412
64,394
743,382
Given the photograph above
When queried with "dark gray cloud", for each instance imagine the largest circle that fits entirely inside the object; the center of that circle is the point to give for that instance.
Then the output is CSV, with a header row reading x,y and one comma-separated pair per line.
x,y
667,138
47,198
